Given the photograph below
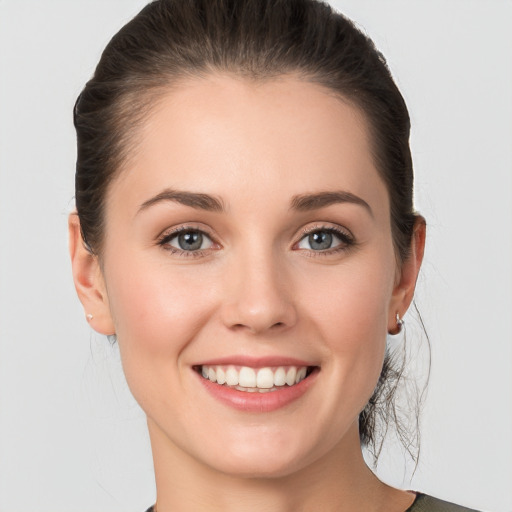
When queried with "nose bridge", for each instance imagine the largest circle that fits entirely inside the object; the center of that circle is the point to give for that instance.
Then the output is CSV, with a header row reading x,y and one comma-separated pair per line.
x,y
259,295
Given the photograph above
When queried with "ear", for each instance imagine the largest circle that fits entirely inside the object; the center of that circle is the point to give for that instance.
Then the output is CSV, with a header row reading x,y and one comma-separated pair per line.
x,y
89,281
403,291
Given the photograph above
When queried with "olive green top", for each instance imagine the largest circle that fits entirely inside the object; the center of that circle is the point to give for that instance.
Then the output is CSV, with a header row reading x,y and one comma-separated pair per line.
x,y
423,503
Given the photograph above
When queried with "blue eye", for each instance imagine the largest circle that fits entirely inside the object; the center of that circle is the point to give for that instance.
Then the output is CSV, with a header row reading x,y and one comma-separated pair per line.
x,y
188,240
324,239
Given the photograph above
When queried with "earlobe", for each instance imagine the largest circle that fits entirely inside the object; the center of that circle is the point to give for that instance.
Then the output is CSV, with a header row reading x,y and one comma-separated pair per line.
x,y
88,279
404,289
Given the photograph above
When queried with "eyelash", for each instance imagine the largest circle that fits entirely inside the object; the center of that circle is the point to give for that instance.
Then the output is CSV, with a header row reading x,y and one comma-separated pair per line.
x,y
347,241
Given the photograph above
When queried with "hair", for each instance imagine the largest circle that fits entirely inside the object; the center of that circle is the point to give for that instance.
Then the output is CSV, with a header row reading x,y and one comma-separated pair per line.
x,y
173,40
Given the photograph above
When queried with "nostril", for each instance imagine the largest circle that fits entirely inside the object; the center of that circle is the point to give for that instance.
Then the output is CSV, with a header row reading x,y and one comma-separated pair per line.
x,y
240,326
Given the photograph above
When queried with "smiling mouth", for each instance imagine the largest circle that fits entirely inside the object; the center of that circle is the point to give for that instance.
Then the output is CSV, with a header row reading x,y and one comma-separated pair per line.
x,y
255,380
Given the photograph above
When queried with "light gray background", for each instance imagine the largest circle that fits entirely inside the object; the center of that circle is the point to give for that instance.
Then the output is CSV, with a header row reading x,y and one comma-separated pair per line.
x,y
71,437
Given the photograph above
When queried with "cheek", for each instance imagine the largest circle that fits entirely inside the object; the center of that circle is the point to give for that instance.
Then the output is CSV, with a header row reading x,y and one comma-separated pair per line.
x,y
351,314
352,300
156,314
156,311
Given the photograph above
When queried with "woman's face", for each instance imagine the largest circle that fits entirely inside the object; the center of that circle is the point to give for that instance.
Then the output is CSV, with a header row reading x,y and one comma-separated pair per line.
x,y
248,239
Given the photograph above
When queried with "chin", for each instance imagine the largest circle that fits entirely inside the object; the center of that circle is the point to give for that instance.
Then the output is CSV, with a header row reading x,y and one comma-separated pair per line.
x,y
259,469
261,459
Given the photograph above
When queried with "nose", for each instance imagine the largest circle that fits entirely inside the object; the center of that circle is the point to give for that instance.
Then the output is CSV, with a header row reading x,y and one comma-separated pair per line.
x,y
258,295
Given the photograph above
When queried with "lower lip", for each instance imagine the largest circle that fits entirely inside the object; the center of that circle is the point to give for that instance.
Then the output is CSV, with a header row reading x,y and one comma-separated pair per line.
x,y
259,402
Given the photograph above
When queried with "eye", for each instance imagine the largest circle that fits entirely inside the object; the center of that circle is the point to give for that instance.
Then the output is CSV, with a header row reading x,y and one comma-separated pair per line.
x,y
188,240
324,239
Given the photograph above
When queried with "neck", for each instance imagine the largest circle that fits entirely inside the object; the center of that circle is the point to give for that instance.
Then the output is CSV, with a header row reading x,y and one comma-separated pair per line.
x,y
339,481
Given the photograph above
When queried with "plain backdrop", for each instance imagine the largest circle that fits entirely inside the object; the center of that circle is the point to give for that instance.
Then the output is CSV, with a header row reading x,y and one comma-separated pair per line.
x,y
71,437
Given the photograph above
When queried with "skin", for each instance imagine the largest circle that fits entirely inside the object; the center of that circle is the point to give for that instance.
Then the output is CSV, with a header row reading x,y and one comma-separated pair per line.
x,y
259,289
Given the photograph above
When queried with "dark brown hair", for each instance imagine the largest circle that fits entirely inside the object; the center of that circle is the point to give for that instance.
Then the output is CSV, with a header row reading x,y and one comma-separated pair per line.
x,y
170,40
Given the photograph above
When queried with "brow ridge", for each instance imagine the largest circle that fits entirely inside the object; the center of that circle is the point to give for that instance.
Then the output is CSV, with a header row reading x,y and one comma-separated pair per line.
x,y
308,202
302,202
196,200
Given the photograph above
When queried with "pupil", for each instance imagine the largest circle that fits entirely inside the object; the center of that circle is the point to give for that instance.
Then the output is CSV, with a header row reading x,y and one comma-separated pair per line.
x,y
190,241
320,240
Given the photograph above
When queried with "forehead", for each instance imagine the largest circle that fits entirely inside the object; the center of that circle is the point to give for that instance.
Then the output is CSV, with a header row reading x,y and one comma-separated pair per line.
x,y
222,134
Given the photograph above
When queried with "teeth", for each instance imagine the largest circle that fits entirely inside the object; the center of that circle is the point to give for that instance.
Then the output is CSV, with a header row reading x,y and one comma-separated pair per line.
x,y
231,377
265,378
290,376
247,377
251,380
301,375
280,377
221,376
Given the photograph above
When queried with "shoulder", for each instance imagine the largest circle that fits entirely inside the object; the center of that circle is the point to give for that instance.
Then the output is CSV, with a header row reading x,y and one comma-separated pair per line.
x,y
424,503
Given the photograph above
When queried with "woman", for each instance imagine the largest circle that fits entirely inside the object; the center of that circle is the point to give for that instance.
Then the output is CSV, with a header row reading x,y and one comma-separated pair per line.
x,y
245,229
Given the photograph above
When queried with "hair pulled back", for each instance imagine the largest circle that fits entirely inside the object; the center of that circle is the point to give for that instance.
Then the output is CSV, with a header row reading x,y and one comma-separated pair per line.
x,y
171,40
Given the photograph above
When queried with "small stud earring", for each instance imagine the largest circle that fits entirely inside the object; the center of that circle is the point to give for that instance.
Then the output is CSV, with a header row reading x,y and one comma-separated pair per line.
x,y
399,323
89,317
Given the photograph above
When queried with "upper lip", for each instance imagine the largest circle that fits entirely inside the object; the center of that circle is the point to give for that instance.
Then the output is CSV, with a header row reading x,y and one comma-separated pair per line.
x,y
255,362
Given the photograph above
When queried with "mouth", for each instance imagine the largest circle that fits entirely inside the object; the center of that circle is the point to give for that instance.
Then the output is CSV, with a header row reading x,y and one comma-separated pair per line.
x,y
266,379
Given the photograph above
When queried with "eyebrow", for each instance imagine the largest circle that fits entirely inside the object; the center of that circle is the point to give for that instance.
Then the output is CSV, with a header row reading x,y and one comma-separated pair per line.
x,y
308,202
302,203
192,199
